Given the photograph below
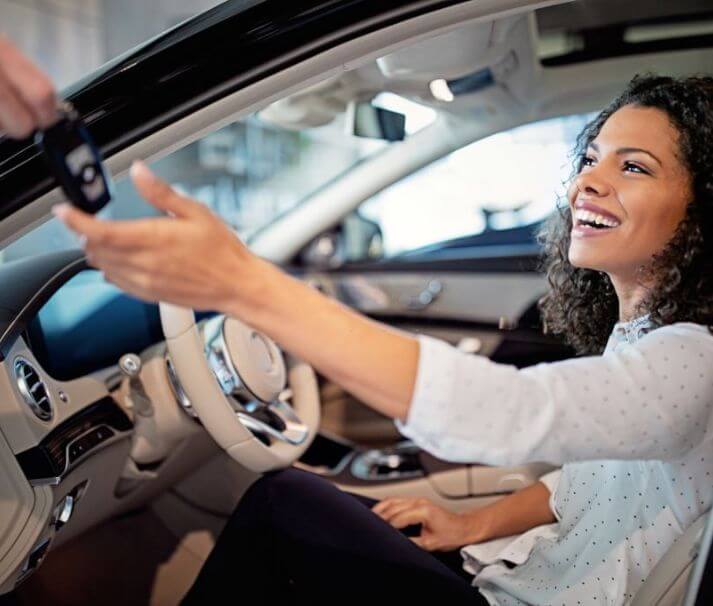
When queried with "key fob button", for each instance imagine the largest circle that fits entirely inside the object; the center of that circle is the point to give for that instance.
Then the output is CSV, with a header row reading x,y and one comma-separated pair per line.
x,y
89,174
75,161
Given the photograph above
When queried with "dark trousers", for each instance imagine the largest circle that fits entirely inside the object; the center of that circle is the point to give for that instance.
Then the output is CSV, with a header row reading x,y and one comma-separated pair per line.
x,y
295,538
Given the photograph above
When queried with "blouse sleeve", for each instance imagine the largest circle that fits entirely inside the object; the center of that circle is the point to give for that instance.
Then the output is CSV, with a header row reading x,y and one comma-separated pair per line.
x,y
650,400
551,481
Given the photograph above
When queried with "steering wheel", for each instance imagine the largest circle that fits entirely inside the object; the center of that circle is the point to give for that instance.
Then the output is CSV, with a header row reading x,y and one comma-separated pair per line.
x,y
262,407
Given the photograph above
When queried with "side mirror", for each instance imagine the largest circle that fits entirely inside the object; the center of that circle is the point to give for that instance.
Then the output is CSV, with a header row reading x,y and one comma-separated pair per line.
x,y
367,120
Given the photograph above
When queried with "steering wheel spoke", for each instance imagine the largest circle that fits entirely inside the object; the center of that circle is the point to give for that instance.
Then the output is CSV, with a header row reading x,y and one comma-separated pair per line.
x,y
262,409
276,420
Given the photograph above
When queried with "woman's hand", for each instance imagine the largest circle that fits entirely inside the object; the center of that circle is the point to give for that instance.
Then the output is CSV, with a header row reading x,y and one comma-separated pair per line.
x,y
441,530
189,258
27,96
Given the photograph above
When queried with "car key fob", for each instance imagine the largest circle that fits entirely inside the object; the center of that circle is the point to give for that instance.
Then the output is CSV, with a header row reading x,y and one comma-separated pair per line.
x,y
76,161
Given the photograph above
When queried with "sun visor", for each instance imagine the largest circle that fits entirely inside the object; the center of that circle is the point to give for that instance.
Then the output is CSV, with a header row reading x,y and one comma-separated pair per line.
x,y
483,68
452,55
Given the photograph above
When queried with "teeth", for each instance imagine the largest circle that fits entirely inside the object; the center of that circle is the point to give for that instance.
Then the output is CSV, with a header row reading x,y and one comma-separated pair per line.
x,y
587,215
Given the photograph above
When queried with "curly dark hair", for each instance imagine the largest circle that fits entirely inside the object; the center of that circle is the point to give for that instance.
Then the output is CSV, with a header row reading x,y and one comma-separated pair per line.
x,y
582,305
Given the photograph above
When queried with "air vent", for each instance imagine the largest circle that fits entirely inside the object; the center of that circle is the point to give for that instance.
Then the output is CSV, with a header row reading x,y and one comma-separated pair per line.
x,y
33,389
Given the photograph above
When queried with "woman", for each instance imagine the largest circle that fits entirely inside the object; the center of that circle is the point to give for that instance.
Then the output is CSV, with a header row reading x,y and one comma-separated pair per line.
x,y
629,264
632,426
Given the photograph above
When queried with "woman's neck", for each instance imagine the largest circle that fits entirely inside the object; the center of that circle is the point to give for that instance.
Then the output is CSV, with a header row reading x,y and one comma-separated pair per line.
x,y
630,294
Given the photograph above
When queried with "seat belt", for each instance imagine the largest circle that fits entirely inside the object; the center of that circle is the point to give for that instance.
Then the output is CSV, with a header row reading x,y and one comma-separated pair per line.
x,y
700,583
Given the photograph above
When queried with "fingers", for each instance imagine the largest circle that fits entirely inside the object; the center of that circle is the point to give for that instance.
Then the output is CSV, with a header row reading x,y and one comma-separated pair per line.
x,y
406,517
379,507
400,511
161,195
384,506
128,282
425,542
111,260
15,119
121,235
78,221
27,91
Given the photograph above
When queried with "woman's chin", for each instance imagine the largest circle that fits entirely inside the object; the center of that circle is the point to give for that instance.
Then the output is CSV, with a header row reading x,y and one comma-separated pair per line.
x,y
585,260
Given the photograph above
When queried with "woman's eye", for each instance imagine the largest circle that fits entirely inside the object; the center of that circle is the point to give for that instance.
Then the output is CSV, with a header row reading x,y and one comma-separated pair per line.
x,y
635,168
585,161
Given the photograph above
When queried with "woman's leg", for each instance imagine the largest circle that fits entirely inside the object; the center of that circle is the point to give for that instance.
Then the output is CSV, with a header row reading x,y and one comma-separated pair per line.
x,y
294,535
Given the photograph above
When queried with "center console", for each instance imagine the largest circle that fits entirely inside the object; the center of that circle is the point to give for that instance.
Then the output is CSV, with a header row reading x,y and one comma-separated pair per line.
x,y
353,466
348,463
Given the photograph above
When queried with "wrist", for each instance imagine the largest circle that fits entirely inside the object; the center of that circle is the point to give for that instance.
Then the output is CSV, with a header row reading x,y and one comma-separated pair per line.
x,y
253,288
479,525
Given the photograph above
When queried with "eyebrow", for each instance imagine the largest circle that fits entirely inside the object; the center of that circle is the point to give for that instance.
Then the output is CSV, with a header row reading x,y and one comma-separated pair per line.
x,y
626,150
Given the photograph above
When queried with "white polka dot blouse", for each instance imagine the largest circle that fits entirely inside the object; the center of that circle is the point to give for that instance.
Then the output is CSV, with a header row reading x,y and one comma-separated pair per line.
x,y
632,428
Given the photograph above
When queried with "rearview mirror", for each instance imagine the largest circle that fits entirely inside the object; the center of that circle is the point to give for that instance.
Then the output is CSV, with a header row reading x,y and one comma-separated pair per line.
x,y
367,120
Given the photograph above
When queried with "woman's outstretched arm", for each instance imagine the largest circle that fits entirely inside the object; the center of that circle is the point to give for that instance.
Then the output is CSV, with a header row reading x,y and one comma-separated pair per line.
x,y
636,403
373,361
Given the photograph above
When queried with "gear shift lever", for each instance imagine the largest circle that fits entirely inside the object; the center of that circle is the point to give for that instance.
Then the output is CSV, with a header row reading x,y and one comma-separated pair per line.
x,y
130,365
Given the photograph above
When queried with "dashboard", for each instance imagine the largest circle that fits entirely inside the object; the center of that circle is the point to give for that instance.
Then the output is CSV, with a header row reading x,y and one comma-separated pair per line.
x,y
74,444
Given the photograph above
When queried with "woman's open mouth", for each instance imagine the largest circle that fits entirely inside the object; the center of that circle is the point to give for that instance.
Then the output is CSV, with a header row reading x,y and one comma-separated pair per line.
x,y
588,223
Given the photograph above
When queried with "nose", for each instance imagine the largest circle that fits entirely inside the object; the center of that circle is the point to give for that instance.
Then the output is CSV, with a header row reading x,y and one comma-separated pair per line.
x,y
590,181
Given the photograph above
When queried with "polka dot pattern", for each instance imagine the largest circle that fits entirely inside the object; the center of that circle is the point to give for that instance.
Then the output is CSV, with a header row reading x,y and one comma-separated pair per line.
x,y
633,429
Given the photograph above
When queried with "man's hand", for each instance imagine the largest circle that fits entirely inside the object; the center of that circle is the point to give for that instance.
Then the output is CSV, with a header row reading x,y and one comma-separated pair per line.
x,y
189,258
27,97
441,530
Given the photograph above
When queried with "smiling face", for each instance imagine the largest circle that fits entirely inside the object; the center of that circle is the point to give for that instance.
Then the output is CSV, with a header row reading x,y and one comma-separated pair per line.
x,y
630,194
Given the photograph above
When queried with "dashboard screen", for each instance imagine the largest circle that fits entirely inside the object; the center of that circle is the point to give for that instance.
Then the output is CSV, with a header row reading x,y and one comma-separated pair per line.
x,y
88,324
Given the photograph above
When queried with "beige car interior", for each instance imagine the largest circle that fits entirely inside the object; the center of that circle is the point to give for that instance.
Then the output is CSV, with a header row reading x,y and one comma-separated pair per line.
x,y
153,498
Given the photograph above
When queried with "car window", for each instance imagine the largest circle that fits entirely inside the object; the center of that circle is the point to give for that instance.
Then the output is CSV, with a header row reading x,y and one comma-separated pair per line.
x,y
508,180
252,172
249,172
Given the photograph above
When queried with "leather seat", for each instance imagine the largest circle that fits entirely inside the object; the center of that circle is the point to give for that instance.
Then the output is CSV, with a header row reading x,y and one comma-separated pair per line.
x,y
667,583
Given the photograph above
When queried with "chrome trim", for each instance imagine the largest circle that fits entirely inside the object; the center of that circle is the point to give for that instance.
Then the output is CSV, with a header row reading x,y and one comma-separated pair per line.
x,y
365,462
220,362
25,571
239,395
425,298
178,392
27,393
130,364
295,431
69,466
63,512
